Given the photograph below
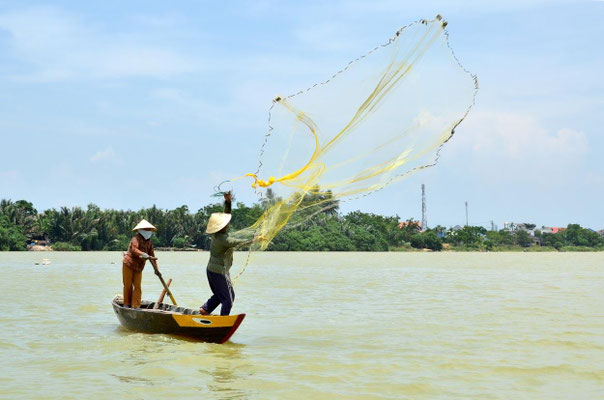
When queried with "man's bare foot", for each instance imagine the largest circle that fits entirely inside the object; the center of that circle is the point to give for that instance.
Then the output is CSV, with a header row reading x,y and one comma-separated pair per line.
x,y
202,311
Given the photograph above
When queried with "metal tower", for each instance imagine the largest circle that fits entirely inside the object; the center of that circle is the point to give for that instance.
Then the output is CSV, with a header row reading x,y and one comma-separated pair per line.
x,y
424,216
466,213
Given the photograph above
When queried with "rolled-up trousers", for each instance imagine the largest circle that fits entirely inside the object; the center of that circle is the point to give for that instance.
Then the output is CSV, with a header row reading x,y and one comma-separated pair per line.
x,y
223,292
132,286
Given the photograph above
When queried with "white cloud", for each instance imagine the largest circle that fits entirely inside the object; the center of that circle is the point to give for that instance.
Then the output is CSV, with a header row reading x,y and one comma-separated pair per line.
x,y
107,155
60,46
516,146
518,136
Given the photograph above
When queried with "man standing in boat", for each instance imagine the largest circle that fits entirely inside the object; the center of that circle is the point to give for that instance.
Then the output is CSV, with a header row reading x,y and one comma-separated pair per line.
x,y
221,260
139,251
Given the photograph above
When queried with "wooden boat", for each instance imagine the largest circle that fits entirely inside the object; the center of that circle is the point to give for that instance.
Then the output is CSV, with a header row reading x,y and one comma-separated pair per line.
x,y
176,320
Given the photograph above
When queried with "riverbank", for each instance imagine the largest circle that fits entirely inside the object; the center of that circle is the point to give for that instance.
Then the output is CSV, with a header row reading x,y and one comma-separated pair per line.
x,y
402,249
61,249
568,249
95,229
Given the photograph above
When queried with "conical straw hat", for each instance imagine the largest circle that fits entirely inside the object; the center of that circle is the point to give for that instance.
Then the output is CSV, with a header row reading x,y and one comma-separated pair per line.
x,y
144,224
217,222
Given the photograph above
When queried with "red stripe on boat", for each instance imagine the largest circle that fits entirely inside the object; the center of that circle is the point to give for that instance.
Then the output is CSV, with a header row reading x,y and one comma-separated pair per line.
x,y
234,328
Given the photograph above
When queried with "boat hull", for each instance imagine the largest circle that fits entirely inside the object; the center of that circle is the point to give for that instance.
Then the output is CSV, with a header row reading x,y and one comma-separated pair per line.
x,y
169,319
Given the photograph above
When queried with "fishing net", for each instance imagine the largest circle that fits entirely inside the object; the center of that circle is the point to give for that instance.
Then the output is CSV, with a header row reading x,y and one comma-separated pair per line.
x,y
382,117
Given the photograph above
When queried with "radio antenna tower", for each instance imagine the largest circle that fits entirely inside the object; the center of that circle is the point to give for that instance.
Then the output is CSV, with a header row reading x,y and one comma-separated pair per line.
x,y
424,213
466,213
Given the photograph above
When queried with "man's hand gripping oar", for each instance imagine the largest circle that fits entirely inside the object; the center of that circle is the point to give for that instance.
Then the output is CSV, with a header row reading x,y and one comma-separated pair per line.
x,y
153,261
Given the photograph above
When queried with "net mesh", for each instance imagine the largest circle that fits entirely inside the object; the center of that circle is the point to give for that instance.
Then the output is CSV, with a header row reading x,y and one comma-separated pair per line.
x,y
382,117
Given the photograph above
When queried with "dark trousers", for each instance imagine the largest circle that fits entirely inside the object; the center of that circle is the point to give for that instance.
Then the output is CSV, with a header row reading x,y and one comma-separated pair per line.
x,y
223,293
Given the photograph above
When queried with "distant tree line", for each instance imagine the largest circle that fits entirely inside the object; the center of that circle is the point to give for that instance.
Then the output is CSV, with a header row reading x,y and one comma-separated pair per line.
x,y
318,227
573,238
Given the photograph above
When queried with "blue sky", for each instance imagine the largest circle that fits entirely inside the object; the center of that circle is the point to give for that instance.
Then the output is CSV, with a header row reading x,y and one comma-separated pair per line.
x,y
129,104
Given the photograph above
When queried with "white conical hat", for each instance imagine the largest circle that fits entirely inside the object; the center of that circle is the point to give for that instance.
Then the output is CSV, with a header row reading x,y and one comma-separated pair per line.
x,y
144,224
217,222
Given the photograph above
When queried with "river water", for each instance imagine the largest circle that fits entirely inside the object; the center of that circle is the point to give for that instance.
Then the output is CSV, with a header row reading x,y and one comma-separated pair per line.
x,y
318,325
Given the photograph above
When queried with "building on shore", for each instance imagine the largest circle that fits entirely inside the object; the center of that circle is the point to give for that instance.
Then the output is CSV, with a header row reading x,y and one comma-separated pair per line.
x,y
38,245
551,229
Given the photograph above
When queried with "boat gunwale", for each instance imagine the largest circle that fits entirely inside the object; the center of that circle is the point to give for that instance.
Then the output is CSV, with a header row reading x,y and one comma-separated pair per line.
x,y
119,302
149,309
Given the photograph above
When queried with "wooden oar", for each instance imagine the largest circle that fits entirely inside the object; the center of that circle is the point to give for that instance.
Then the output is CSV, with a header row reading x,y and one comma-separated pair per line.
x,y
156,268
161,296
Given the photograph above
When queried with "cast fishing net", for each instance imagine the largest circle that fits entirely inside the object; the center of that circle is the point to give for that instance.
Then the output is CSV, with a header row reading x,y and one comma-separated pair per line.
x,y
382,117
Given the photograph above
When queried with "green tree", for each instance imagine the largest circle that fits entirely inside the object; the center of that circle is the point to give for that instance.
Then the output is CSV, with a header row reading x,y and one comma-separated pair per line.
x,y
501,238
555,240
523,238
432,241
269,199
576,235
417,241
11,236
179,242
120,243
470,236
64,246
20,213
316,226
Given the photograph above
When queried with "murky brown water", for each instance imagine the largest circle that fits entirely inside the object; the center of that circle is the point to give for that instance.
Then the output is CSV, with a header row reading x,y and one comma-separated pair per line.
x,y
319,325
